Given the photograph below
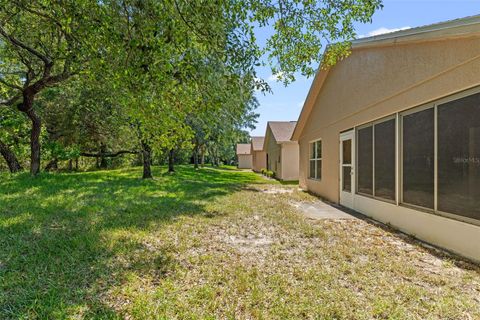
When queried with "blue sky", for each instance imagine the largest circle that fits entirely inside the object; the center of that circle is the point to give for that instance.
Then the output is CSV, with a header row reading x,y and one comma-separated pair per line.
x,y
285,103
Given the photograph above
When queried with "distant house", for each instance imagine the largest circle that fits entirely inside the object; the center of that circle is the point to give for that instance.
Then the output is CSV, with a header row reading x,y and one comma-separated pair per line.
x,y
244,156
393,131
259,156
282,153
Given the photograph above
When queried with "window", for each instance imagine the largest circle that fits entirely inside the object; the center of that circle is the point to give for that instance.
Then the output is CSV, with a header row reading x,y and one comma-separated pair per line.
x,y
438,158
384,151
316,160
418,158
365,160
459,157
376,159
347,165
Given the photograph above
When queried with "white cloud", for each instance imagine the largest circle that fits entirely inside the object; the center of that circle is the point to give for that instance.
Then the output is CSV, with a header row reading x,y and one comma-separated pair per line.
x,y
382,30
275,77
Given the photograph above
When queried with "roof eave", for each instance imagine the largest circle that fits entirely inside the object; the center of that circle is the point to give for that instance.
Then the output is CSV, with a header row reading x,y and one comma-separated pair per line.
x,y
468,26
464,27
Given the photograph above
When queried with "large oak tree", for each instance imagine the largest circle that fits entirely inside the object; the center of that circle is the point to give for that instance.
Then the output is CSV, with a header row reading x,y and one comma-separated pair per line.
x,y
164,59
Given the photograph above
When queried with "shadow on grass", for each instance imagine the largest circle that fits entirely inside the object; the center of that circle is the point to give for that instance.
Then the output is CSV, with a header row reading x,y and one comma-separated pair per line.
x,y
60,234
289,183
440,253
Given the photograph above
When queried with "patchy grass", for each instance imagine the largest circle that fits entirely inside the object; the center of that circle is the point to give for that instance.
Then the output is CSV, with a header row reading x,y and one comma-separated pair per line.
x,y
208,244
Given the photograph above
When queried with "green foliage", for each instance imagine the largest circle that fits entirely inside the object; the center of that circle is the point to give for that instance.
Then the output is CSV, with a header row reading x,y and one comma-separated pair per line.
x,y
14,133
270,174
160,75
62,234
208,244
302,27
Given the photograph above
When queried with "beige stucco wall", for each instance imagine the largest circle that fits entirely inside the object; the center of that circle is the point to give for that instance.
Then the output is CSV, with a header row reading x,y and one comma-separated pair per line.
x,y
290,161
283,158
244,161
259,160
273,151
377,82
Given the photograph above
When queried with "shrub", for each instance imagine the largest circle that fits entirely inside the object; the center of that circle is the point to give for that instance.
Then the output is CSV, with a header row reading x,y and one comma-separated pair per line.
x,y
263,171
270,174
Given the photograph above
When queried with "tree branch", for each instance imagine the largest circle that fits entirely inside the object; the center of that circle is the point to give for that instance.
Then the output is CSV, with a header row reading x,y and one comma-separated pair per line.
x,y
10,85
107,154
20,44
10,101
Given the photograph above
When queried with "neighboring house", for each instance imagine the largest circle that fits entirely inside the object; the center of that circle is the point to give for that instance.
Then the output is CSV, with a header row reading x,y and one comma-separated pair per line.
x,y
244,156
282,152
393,131
259,156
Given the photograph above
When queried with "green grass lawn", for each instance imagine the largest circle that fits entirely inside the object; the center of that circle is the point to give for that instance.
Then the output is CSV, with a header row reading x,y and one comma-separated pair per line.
x,y
207,244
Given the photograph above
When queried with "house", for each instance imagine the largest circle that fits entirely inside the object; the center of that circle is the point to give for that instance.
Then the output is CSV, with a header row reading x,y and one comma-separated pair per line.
x,y
259,156
393,132
282,152
244,156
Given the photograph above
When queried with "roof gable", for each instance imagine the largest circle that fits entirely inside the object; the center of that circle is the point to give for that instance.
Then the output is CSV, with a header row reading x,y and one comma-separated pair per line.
x,y
257,143
453,29
243,148
282,130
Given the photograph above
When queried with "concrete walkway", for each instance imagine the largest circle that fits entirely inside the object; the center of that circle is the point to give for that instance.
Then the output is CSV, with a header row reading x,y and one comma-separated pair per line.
x,y
320,210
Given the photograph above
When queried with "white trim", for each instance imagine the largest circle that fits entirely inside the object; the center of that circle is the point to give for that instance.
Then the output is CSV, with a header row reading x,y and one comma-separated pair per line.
x,y
458,95
453,28
397,159
373,160
454,235
346,197
315,158
373,124
458,28
435,158
399,122
408,112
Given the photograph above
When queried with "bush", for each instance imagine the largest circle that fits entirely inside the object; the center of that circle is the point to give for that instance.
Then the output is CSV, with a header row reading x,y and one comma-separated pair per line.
x,y
263,171
270,174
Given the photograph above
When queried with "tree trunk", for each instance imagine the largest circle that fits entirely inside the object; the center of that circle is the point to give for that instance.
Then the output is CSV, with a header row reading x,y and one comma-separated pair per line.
x,y
202,157
195,157
34,139
76,164
10,158
26,106
171,161
70,165
103,159
147,160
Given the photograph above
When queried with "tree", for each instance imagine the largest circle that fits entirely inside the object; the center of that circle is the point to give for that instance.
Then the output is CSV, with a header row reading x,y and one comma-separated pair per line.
x,y
50,52
10,158
222,118
300,28
177,71
82,118
12,138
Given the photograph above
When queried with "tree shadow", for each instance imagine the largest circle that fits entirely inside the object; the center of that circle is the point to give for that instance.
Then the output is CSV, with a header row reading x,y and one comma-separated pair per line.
x,y
61,234
288,182
438,252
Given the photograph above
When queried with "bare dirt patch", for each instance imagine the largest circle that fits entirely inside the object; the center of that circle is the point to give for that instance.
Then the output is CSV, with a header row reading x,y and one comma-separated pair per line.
x,y
276,190
260,257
